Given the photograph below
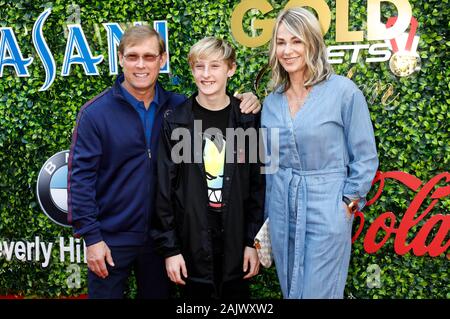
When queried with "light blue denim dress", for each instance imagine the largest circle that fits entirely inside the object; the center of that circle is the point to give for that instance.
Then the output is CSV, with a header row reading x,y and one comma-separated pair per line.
x,y
328,150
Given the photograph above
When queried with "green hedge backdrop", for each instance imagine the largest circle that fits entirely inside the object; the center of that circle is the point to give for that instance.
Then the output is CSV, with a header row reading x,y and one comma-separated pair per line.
x,y
411,128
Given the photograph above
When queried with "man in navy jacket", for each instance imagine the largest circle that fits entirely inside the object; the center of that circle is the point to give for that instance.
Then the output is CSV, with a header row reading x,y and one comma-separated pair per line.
x,y
112,171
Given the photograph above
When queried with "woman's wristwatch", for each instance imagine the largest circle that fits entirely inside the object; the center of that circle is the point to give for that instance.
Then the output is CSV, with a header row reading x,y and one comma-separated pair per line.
x,y
352,204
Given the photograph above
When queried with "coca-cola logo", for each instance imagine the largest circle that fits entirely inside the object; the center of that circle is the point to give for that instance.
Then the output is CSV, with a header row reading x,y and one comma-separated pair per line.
x,y
415,213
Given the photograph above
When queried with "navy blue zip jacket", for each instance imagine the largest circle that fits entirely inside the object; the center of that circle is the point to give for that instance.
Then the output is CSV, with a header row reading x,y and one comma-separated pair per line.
x,y
112,172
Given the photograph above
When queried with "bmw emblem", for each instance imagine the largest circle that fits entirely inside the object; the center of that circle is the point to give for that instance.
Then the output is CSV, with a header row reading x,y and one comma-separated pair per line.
x,y
51,188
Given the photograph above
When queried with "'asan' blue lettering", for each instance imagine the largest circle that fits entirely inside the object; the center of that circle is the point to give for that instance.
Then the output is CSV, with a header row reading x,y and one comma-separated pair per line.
x,y
10,54
77,50
43,51
161,27
77,41
114,34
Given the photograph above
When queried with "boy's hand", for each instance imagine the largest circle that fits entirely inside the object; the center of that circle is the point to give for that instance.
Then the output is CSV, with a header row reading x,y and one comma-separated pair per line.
x,y
173,266
249,102
250,257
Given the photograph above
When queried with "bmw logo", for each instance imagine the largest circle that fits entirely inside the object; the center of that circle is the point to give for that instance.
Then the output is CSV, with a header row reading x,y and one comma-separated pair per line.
x,y
51,188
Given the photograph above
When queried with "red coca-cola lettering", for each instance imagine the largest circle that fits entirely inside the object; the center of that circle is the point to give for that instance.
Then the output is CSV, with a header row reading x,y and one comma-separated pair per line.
x,y
387,221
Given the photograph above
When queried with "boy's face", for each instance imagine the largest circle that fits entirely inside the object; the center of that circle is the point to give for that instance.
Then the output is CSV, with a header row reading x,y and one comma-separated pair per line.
x,y
211,75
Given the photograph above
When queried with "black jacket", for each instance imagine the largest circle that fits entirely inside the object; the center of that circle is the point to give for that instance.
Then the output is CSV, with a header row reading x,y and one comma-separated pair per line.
x,y
180,224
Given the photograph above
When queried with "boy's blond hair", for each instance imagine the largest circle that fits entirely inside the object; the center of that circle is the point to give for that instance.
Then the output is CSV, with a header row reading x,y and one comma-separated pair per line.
x,y
211,46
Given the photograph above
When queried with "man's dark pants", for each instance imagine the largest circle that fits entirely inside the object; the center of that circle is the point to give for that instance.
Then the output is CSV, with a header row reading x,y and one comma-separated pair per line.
x,y
151,277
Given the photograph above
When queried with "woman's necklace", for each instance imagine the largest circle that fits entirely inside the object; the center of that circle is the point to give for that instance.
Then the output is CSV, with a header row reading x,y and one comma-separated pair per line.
x,y
296,102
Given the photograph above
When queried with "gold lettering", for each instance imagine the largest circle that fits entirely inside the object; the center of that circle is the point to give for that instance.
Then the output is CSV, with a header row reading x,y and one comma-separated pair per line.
x,y
376,30
387,94
266,25
320,6
351,72
342,33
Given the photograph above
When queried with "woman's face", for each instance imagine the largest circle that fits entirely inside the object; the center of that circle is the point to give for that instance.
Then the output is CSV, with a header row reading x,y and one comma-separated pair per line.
x,y
290,51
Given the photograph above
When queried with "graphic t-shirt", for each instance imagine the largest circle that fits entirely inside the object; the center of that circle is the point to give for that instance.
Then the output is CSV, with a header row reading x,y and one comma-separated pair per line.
x,y
214,124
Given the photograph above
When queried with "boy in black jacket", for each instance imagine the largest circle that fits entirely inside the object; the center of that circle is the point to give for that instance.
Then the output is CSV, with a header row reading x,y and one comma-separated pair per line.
x,y
210,193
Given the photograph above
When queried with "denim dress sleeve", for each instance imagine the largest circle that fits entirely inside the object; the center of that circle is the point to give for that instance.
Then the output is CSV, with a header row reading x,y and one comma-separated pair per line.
x,y
363,160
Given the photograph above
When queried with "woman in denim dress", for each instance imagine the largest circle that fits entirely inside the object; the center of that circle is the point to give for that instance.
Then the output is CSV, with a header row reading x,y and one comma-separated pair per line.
x,y
326,159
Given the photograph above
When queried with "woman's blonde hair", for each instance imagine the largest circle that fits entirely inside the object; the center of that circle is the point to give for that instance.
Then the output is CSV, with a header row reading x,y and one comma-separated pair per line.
x,y
305,26
211,46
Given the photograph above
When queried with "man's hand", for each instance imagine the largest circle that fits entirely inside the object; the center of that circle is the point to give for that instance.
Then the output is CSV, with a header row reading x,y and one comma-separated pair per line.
x,y
96,255
249,102
251,257
173,266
